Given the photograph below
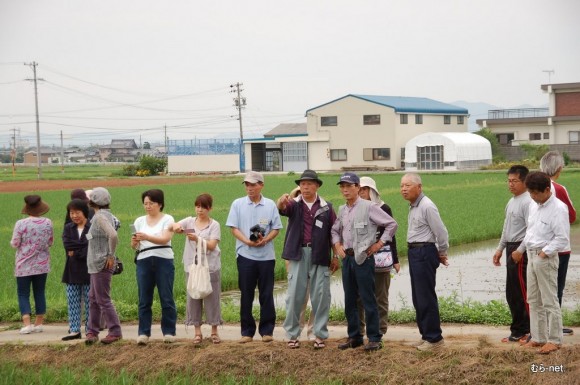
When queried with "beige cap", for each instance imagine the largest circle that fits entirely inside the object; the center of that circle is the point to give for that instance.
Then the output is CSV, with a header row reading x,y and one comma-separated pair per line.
x,y
253,177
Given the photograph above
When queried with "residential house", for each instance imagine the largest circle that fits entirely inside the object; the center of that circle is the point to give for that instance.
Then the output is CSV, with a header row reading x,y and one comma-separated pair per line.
x,y
120,150
558,125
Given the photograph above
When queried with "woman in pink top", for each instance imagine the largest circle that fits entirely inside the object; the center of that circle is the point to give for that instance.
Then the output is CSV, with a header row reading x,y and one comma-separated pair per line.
x,y
32,238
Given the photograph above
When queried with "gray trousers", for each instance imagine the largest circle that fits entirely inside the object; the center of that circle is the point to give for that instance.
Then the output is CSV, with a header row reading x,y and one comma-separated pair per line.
x,y
211,304
304,275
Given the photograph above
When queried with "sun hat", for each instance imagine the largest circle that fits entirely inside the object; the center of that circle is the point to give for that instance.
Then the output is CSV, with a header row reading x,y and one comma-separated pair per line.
x,y
100,196
375,196
309,175
33,205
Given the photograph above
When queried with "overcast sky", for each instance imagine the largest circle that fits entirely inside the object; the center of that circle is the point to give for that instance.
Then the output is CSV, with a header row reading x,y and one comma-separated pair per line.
x,y
125,69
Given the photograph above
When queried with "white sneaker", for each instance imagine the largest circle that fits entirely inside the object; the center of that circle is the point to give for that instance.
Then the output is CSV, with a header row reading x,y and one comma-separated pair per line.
x,y
168,338
37,329
427,346
27,329
142,339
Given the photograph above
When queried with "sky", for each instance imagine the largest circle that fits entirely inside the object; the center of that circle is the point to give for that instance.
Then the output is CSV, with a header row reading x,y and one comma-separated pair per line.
x,y
144,69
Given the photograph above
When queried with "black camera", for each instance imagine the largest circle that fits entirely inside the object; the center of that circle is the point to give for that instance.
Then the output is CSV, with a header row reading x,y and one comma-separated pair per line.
x,y
255,232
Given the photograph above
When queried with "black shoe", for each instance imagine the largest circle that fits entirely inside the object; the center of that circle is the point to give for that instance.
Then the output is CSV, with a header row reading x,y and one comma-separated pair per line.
x,y
373,345
72,336
567,332
350,343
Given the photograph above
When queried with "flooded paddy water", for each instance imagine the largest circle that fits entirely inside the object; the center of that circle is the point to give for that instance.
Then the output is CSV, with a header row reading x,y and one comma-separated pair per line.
x,y
470,275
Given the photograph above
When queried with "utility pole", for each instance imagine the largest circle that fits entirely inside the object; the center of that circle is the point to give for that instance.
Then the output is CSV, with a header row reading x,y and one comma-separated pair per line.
x,y
13,152
61,154
550,73
239,103
38,154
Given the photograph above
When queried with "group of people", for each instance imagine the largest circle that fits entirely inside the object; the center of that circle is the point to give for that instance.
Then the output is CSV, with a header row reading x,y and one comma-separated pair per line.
x,y
536,237
359,237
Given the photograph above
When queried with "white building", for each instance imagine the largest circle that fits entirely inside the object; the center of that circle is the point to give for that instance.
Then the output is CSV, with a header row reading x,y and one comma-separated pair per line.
x,y
447,151
558,125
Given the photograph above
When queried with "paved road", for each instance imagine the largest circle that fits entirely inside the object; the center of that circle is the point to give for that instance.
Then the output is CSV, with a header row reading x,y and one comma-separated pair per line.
x,y
403,333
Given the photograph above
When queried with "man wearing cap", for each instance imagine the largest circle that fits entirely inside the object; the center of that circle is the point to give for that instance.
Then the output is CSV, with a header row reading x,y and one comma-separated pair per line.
x,y
353,236
254,222
427,242
307,247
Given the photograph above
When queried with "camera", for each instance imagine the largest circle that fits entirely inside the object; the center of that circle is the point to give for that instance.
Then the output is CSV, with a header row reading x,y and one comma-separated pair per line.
x,y
255,232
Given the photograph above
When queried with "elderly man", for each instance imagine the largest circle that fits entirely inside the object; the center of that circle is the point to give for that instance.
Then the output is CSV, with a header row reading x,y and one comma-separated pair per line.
x,y
354,239
552,164
514,230
307,247
254,222
427,240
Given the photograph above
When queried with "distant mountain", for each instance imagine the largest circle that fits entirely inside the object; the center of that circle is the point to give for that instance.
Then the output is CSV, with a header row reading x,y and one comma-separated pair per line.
x,y
477,110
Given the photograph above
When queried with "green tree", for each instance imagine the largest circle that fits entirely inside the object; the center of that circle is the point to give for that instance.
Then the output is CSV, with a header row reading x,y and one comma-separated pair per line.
x,y
152,164
495,147
535,151
146,146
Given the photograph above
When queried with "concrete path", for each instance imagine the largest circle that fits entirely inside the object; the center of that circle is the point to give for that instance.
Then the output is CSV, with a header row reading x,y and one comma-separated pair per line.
x,y
9,333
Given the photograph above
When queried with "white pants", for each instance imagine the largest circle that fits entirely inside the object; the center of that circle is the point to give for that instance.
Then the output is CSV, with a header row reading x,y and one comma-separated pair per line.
x,y
545,314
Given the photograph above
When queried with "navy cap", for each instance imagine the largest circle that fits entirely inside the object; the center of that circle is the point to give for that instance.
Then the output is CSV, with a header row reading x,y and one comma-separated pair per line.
x,y
350,178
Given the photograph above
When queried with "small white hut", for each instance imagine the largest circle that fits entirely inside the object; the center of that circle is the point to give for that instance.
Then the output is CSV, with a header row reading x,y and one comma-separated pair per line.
x,y
447,151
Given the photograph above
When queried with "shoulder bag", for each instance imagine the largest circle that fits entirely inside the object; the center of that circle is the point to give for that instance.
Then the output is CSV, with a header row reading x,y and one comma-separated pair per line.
x,y
199,282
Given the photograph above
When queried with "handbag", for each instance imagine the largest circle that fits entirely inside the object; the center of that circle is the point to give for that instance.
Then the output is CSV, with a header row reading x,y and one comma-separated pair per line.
x,y
118,269
384,257
199,282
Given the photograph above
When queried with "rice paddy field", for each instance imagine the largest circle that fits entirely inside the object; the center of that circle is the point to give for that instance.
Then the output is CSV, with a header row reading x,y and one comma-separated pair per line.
x,y
471,205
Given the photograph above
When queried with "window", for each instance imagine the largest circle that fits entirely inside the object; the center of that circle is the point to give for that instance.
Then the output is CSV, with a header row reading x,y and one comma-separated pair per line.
x,y
430,158
295,152
371,120
418,119
404,119
328,121
505,139
461,119
574,137
338,155
535,136
446,119
546,135
376,154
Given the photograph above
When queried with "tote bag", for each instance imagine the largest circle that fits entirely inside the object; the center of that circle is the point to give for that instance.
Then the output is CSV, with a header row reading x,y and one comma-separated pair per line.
x,y
199,283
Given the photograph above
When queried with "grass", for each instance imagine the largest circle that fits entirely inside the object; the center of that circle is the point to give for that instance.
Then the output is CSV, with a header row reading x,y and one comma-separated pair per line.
x,y
471,205
56,172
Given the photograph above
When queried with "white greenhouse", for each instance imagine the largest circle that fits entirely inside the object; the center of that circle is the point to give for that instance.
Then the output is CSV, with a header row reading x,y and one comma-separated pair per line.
x,y
447,151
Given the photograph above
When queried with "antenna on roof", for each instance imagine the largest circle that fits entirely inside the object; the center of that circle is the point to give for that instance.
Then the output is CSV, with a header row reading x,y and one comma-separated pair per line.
x,y
550,73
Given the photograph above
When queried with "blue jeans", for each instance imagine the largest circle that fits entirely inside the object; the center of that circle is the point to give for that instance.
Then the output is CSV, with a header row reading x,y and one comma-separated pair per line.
x,y
160,272
423,264
253,273
23,290
359,280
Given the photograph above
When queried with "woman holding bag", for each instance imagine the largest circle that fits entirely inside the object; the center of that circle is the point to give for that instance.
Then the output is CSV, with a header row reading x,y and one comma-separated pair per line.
x,y
196,228
152,238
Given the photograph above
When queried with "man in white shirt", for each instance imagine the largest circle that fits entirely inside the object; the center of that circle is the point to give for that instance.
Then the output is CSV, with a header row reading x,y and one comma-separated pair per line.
x,y
548,233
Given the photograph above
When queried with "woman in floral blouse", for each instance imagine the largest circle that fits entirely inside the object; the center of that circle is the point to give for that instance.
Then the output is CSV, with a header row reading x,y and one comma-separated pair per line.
x,y
32,237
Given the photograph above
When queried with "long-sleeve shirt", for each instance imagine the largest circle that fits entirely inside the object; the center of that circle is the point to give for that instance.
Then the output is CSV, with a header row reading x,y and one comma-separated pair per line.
x,y
516,221
376,215
548,226
103,240
425,224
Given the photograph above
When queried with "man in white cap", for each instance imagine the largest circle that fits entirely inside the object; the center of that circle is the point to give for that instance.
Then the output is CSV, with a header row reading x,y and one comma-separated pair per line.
x,y
254,222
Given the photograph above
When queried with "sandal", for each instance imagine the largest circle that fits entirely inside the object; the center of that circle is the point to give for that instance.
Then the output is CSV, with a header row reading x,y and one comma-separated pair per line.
x,y
293,344
513,338
319,344
215,339
197,339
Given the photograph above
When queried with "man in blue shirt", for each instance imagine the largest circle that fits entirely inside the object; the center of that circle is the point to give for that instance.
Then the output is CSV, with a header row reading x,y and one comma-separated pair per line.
x,y
254,222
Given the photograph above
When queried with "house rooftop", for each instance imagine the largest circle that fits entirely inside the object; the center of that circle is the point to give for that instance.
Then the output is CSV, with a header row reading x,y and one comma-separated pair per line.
x,y
407,104
287,129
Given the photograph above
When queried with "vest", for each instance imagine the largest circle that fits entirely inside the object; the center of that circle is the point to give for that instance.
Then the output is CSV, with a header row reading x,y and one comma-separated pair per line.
x,y
364,230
